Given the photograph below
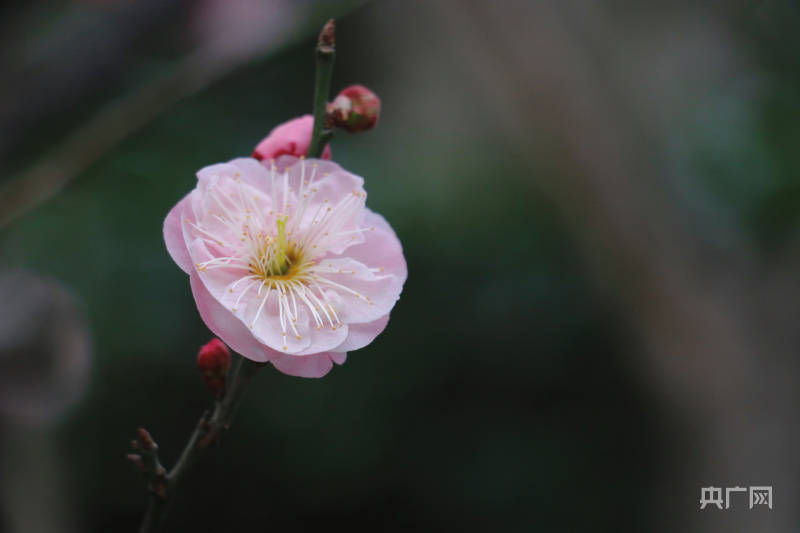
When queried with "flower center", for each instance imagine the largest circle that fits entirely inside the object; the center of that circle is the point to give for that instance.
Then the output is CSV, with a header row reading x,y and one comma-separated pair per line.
x,y
278,258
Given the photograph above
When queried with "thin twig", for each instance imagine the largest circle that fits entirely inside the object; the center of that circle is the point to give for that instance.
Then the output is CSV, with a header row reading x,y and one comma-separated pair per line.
x,y
325,52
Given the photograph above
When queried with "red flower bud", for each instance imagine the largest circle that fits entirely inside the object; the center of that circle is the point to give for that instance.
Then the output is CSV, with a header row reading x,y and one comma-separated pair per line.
x,y
355,108
214,361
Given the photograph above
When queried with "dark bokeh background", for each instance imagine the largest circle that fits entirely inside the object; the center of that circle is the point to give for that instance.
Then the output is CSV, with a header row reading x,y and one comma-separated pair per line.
x,y
599,203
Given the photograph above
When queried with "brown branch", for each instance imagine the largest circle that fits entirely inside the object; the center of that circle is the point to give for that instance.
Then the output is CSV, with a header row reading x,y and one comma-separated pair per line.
x,y
208,430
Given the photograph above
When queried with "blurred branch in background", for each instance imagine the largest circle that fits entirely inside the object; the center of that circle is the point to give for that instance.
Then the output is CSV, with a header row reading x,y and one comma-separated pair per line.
x,y
225,34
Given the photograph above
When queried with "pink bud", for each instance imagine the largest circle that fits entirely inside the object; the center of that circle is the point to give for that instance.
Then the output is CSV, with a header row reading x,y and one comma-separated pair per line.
x,y
214,361
290,138
355,108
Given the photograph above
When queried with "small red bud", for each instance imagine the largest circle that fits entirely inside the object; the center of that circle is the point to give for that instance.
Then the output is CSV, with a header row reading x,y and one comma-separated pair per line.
x,y
354,109
214,361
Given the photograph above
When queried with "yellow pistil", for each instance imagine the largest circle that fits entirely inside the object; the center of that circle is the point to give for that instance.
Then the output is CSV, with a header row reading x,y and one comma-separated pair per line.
x,y
278,258
281,259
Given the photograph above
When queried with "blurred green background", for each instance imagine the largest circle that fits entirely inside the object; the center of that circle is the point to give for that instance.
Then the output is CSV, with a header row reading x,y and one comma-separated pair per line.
x,y
598,202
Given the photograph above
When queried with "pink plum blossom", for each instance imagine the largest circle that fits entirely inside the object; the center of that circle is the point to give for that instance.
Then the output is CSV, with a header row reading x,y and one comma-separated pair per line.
x,y
286,262
290,138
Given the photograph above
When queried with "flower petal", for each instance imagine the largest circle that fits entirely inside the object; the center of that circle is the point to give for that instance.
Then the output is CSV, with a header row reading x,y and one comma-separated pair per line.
x,y
357,293
332,197
173,236
380,250
359,335
304,366
218,278
225,325
267,329
381,247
